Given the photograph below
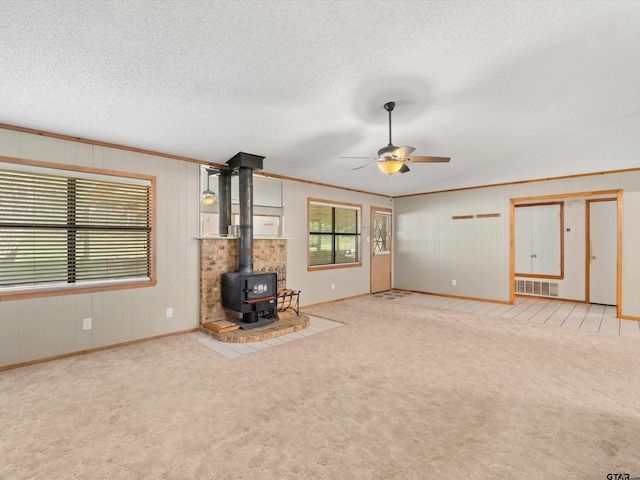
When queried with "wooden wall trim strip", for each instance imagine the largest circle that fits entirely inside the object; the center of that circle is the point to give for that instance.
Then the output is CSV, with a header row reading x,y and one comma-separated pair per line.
x,y
96,349
334,301
503,302
563,196
76,168
522,182
107,144
284,177
512,251
320,184
168,155
462,217
487,215
619,272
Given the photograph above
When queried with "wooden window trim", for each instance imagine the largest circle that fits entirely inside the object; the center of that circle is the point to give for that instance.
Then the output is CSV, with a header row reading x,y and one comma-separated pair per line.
x,y
356,206
106,286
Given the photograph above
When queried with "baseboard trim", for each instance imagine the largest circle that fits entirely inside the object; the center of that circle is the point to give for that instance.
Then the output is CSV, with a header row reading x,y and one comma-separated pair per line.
x,y
94,350
505,302
334,301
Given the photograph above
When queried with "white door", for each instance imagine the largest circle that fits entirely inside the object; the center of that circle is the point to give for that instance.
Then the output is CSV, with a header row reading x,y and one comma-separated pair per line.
x,y
538,240
603,251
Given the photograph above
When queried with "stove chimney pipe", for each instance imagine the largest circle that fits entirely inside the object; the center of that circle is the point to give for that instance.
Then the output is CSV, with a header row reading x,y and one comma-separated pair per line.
x,y
224,201
245,163
245,177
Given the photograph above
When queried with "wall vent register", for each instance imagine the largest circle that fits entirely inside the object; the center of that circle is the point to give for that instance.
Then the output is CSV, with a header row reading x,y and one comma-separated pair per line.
x,y
532,287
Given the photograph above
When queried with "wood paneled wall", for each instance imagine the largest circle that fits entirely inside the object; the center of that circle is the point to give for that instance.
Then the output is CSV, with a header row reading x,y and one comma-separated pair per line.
x,y
50,326
432,249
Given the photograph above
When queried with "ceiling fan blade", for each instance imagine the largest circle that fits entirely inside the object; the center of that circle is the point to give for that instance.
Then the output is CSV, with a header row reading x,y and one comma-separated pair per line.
x,y
428,159
404,169
364,166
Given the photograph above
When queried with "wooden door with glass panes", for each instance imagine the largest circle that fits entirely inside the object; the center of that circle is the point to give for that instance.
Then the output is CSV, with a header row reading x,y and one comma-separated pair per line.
x,y
380,249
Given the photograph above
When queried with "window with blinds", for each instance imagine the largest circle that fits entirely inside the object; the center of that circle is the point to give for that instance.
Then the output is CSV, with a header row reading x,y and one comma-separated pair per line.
x,y
334,234
66,231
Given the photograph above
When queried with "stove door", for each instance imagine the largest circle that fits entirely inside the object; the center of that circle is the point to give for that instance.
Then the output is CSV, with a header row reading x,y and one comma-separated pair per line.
x,y
260,286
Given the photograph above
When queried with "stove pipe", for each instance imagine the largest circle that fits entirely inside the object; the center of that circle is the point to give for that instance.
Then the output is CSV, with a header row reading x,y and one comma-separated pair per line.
x,y
224,201
244,164
245,176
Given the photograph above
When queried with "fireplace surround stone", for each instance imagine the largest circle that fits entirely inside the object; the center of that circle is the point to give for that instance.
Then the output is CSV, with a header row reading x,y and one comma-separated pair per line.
x,y
220,255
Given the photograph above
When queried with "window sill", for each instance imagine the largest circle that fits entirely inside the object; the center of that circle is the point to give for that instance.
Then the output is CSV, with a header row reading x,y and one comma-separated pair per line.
x,y
333,267
54,292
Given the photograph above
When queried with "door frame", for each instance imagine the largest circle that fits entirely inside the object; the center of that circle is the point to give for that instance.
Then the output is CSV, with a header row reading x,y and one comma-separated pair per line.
x,y
372,217
587,269
611,193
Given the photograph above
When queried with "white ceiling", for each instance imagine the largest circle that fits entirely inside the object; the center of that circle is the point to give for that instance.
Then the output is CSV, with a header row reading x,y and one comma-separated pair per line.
x,y
509,90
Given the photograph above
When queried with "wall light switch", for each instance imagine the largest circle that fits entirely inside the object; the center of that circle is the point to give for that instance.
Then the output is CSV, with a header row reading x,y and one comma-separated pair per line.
x,y
169,312
454,283
86,324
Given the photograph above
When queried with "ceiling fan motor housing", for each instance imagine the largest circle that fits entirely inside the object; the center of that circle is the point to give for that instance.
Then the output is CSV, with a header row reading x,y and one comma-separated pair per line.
x,y
387,151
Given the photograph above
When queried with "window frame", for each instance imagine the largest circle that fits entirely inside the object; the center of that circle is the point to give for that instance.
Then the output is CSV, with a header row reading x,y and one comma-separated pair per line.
x,y
334,204
37,291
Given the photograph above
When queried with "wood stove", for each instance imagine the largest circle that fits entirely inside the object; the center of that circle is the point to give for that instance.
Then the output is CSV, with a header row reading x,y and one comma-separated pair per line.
x,y
254,294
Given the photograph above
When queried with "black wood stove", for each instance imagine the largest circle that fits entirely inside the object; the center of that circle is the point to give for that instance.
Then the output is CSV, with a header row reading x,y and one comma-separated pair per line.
x,y
254,294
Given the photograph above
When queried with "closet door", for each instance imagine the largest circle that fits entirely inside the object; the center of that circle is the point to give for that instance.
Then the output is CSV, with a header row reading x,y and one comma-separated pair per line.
x,y
546,239
603,251
538,238
524,235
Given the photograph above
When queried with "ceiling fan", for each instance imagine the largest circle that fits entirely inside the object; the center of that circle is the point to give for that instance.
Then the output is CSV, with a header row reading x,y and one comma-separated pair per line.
x,y
392,159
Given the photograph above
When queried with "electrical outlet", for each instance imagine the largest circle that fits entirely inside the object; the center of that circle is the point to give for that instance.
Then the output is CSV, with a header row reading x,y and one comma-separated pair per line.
x,y
333,286
169,312
86,323
453,282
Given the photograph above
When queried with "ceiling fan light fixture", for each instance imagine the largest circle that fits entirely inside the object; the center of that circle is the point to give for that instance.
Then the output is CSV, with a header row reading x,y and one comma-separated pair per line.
x,y
390,166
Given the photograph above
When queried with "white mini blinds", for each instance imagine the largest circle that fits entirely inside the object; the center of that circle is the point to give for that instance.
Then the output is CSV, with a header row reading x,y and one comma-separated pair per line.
x,y
65,230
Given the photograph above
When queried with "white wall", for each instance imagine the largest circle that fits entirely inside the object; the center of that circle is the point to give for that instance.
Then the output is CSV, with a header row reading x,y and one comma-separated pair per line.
x,y
432,249
49,326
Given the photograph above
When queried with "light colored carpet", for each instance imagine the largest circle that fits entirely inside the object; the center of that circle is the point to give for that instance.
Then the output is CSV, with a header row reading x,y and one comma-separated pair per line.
x,y
399,392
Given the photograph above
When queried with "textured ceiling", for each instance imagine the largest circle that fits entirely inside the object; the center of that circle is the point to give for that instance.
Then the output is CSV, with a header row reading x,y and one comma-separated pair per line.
x,y
509,90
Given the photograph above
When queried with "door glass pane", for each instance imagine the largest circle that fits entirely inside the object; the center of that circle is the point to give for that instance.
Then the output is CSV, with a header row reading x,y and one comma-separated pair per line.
x,y
381,233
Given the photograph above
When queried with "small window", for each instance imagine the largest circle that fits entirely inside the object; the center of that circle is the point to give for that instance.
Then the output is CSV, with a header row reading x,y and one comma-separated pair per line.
x,y
334,234
68,230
